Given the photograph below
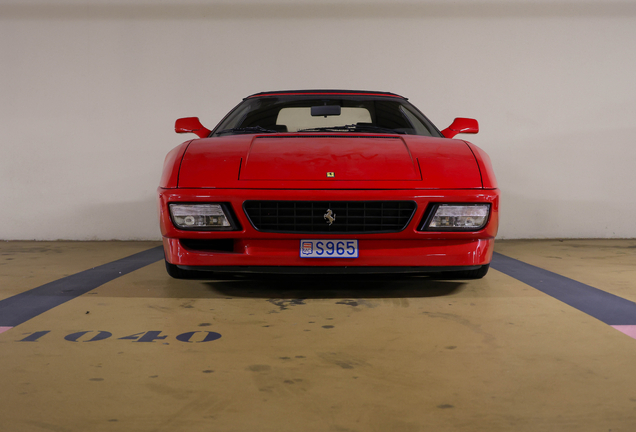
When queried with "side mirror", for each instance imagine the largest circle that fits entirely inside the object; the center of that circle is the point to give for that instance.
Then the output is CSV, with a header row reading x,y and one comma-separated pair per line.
x,y
461,125
191,125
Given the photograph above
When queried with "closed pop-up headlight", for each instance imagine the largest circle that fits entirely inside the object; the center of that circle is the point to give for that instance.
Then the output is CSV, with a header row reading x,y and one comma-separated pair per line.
x,y
202,217
456,217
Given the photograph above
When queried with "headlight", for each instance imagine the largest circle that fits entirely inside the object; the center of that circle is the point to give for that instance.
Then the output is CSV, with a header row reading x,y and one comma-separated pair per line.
x,y
456,217
203,217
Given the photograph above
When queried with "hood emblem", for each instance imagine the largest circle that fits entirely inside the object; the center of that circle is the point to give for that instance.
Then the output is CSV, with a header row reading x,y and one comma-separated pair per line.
x,y
330,217
331,174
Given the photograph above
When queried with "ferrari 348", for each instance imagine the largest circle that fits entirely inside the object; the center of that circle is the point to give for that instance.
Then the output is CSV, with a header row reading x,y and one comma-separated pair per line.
x,y
327,181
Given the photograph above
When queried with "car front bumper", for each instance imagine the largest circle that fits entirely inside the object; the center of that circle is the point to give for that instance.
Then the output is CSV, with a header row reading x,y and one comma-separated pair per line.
x,y
249,250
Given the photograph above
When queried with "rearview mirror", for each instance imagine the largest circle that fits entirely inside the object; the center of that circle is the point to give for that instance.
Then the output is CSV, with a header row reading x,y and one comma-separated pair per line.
x,y
461,125
325,110
191,125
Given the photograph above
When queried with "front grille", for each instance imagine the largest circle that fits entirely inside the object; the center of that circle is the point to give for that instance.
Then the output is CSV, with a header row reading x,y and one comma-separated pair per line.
x,y
312,216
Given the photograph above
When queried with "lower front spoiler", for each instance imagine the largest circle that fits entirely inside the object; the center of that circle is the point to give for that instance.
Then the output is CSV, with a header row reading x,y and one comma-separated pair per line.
x,y
326,270
417,255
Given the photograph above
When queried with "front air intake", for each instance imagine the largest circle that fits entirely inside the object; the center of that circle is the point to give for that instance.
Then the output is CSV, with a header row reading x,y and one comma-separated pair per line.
x,y
329,216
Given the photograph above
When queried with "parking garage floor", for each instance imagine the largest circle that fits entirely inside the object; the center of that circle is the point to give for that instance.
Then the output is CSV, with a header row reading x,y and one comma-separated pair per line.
x,y
95,336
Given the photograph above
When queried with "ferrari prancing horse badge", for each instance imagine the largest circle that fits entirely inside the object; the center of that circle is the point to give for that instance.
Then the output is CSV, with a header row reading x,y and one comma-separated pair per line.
x,y
330,216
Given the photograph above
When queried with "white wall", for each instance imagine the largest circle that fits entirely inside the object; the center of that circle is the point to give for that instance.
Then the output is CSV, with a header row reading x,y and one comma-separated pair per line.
x,y
89,92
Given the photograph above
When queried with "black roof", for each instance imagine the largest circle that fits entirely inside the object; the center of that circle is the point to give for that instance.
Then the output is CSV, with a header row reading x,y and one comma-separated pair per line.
x,y
338,92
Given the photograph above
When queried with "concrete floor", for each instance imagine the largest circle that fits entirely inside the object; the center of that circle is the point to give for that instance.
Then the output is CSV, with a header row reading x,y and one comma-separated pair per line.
x,y
143,353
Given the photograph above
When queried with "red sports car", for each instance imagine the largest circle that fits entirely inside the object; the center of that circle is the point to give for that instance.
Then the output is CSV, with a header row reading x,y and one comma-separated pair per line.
x,y
327,181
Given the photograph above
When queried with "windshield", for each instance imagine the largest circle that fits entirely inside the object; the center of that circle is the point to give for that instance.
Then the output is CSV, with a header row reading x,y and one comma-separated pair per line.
x,y
325,113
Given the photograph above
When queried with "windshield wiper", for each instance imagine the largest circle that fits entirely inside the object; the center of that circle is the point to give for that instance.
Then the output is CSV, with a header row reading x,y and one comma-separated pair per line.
x,y
353,128
249,129
376,128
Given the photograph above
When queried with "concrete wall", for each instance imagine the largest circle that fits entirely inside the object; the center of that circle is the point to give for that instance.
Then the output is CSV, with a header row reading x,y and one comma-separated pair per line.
x,y
89,92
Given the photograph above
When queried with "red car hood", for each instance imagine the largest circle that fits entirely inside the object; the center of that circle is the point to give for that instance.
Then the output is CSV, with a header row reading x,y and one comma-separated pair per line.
x,y
329,161
312,158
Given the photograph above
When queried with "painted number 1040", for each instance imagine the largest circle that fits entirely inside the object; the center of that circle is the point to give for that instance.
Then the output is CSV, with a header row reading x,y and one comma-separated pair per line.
x,y
146,336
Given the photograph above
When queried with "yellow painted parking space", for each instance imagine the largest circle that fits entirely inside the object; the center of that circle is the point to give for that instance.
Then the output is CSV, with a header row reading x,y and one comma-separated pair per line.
x,y
316,354
609,265
25,265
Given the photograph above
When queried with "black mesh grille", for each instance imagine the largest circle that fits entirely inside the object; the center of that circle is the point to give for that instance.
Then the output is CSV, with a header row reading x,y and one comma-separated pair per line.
x,y
348,216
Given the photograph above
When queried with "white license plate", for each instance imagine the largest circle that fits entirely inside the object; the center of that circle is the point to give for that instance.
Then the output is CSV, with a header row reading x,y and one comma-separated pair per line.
x,y
329,248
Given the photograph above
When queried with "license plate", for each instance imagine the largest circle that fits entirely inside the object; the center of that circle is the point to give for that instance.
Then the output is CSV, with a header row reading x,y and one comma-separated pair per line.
x,y
329,248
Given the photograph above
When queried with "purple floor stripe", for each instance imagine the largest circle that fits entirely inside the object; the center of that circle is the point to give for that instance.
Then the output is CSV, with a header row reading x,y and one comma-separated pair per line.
x,y
24,306
611,309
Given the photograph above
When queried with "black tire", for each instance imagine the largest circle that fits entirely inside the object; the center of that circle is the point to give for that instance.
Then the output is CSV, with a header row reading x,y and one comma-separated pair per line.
x,y
178,273
466,274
